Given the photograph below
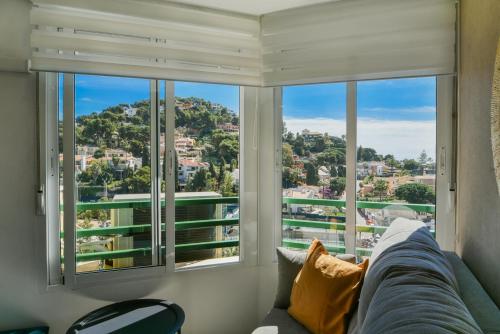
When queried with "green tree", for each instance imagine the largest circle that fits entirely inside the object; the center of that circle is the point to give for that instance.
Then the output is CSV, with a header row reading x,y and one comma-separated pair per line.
x,y
199,181
226,188
381,187
98,172
337,186
98,154
312,177
222,172
410,165
290,178
416,193
211,169
138,182
367,154
287,155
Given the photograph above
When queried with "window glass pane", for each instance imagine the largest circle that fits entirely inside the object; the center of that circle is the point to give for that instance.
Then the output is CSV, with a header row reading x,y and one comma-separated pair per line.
x,y
314,165
396,137
113,172
207,173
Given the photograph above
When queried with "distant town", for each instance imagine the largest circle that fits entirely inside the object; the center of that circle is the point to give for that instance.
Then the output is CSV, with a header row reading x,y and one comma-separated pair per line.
x,y
314,167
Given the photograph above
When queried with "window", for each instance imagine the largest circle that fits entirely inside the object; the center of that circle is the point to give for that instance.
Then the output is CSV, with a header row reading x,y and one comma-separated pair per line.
x,y
314,165
357,156
153,175
396,154
207,129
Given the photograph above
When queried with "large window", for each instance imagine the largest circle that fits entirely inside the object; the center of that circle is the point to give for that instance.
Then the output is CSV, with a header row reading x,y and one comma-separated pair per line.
x,y
389,129
153,172
314,165
396,153
207,129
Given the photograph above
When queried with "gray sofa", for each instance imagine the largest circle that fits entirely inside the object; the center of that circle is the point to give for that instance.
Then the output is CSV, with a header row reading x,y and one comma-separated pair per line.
x,y
411,286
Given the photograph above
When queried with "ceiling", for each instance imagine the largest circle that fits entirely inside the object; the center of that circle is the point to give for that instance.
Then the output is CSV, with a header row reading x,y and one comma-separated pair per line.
x,y
251,7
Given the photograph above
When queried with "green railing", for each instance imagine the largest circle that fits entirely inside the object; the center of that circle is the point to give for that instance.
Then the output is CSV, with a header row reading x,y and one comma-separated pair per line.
x,y
185,225
130,230
340,226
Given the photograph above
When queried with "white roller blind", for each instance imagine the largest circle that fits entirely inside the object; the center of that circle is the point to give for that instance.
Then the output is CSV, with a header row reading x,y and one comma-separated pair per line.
x,y
336,41
358,39
145,39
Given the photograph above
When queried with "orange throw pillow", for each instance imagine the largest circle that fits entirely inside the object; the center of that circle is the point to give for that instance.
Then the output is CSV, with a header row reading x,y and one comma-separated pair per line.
x,y
325,291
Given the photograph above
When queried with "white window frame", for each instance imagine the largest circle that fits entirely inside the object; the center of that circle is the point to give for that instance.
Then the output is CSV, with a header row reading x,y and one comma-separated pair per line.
x,y
48,192
445,193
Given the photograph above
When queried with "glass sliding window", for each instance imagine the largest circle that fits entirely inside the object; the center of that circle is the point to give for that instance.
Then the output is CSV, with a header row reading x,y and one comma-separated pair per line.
x,y
396,170
314,165
112,173
207,137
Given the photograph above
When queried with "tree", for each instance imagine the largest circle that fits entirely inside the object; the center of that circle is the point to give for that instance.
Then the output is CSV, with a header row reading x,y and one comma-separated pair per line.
x,y
287,155
290,178
367,154
416,193
229,149
410,165
226,188
211,169
312,178
299,145
139,182
381,187
337,186
200,181
97,173
222,172
98,154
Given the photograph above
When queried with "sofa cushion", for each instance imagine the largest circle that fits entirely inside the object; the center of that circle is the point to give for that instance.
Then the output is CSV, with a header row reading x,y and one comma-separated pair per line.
x,y
289,264
278,321
325,291
480,305
410,286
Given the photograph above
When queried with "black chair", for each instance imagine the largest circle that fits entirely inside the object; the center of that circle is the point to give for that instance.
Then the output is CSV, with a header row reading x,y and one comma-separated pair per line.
x,y
152,316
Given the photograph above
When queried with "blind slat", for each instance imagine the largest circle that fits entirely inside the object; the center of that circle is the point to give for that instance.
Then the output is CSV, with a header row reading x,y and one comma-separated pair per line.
x,y
357,40
334,41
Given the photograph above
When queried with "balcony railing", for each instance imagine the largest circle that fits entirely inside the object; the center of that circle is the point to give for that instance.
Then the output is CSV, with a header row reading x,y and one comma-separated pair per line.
x,y
339,224
130,230
185,225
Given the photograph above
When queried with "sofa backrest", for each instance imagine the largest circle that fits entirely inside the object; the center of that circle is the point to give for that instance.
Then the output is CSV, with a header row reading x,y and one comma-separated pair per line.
x,y
410,286
481,306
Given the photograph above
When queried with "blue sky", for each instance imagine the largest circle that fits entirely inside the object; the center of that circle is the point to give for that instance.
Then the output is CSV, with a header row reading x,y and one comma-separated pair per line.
x,y
398,99
95,93
394,116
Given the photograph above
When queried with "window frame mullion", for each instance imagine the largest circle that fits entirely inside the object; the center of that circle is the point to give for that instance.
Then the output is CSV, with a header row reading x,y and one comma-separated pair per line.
x,y
155,175
351,159
69,197
169,171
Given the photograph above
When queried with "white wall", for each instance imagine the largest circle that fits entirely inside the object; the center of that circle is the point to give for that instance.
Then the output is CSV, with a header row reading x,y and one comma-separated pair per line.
x,y
478,209
218,300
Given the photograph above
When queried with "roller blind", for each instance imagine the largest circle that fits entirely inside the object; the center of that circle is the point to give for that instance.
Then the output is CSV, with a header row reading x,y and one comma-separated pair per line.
x,y
336,41
358,40
145,39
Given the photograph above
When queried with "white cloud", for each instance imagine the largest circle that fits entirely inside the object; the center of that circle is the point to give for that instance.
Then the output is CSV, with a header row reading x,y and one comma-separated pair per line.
x,y
403,139
86,99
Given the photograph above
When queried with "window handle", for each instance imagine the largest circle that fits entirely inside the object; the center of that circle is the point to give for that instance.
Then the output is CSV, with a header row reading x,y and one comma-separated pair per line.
x,y
170,162
442,160
40,201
